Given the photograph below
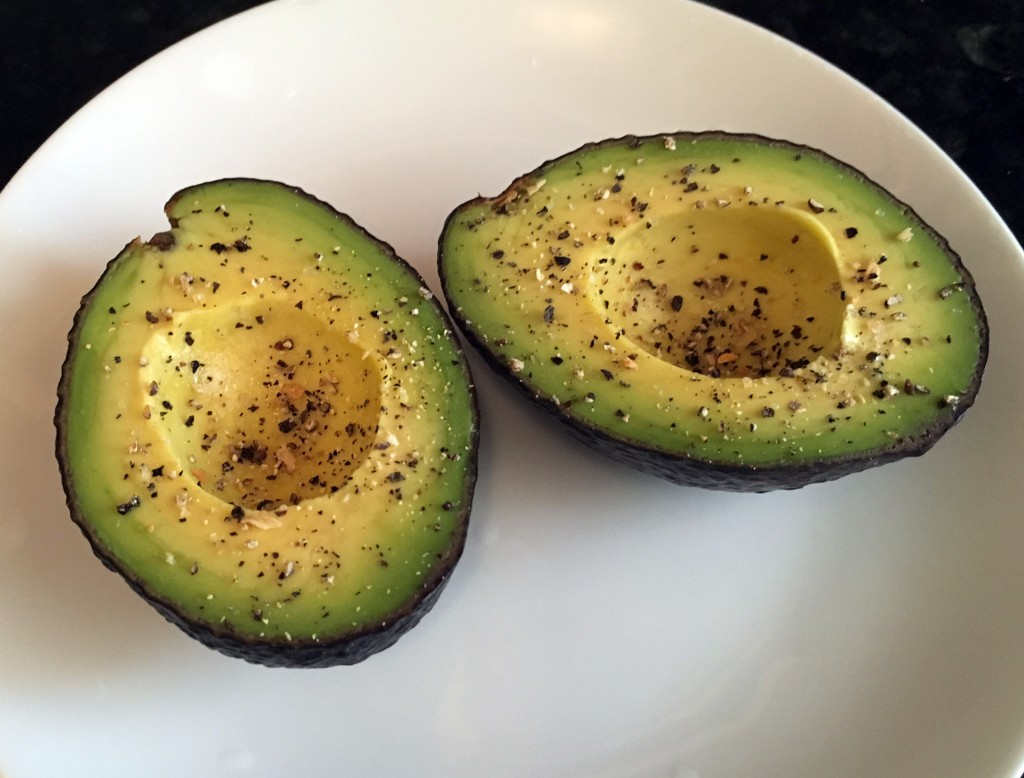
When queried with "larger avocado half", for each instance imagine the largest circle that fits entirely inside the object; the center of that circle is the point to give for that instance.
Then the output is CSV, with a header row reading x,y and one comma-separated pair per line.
x,y
727,311
267,427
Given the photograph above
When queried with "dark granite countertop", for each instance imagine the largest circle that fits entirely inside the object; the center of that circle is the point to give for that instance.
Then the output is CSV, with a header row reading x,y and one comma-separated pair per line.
x,y
954,68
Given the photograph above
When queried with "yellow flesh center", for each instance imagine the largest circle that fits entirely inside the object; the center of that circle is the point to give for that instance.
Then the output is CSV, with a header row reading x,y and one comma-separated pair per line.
x,y
704,312
286,413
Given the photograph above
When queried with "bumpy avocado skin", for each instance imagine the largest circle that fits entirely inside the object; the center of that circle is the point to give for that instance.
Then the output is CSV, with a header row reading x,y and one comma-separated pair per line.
x,y
690,467
353,649
335,646
687,471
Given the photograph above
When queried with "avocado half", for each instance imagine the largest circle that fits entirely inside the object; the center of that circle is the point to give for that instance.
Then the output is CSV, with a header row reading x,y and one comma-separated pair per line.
x,y
727,311
266,425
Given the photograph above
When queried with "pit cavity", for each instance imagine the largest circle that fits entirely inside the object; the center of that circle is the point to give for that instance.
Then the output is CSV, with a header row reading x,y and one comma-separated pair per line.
x,y
263,405
737,292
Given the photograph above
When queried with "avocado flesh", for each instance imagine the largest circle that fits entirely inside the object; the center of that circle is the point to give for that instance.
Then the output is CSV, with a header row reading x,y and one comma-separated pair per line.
x,y
722,310
267,426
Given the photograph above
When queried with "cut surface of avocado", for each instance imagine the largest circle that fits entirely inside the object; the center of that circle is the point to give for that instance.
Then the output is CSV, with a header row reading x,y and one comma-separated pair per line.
x,y
267,426
722,310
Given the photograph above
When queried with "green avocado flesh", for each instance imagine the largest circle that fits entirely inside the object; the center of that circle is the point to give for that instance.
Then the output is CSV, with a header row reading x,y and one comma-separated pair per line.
x,y
267,426
722,310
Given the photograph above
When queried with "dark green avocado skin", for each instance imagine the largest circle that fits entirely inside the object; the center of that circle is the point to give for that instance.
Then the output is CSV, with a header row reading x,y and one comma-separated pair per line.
x,y
351,650
347,649
344,649
694,472
691,471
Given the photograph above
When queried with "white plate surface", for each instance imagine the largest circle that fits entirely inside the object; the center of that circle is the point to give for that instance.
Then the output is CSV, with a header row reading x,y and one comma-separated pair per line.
x,y
601,622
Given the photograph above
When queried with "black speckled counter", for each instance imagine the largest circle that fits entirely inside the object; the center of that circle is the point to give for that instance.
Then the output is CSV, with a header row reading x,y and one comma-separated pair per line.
x,y
954,67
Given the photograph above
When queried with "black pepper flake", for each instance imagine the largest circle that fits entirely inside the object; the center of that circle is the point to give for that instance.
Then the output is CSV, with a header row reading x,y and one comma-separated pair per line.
x,y
151,317
607,374
195,364
562,261
447,505
498,254
563,234
287,425
395,477
241,246
237,512
131,505
549,314
557,360
218,247
677,303
154,388
851,232
909,387
767,412
190,421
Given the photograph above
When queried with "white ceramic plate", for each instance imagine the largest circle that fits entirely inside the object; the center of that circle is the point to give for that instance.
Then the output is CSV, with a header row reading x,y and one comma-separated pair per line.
x,y
601,623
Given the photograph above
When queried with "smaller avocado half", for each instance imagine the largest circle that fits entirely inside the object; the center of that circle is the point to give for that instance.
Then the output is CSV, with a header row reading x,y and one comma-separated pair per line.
x,y
266,425
722,310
